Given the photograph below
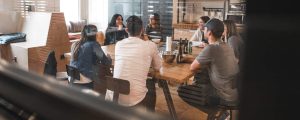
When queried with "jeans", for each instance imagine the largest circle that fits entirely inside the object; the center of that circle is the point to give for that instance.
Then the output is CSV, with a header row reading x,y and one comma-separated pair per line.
x,y
85,85
150,99
202,77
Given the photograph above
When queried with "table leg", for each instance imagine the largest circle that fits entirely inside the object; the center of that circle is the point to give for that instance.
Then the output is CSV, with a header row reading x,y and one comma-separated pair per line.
x,y
168,97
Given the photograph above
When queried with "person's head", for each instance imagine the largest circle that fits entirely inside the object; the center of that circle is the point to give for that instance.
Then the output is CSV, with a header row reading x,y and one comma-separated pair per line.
x,y
202,21
134,26
213,29
154,19
116,20
88,32
229,28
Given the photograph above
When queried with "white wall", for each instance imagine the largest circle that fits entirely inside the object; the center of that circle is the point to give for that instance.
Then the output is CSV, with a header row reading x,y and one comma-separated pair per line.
x,y
98,13
9,22
6,5
198,8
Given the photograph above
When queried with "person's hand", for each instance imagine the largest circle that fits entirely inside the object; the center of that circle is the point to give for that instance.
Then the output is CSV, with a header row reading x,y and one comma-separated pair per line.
x,y
202,44
144,37
120,27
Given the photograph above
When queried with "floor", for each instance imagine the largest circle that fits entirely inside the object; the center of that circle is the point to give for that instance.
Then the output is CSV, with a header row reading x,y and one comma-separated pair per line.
x,y
184,111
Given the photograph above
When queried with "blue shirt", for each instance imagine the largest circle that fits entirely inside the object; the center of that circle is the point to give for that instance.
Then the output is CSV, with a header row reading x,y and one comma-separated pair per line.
x,y
90,55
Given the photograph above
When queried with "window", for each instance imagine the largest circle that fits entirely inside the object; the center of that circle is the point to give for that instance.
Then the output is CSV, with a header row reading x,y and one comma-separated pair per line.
x,y
98,12
70,9
124,7
165,10
143,9
25,6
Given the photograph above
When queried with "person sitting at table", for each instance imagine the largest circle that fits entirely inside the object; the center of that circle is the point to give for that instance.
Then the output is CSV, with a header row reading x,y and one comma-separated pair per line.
x,y
235,41
153,30
133,59
87,54
201,77
115,30
221,63
198,36
232,37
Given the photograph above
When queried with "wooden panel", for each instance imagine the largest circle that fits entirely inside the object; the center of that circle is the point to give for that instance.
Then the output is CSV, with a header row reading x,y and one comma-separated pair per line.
x,y
34,52
57,40
5,52
186,26
183,33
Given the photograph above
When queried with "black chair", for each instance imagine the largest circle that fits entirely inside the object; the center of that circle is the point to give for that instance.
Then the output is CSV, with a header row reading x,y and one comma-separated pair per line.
x,y
119,86
73,73
51,64
26,97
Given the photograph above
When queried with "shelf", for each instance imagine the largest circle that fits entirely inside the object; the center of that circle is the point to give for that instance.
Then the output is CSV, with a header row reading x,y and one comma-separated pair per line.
x,y
236,13
185,26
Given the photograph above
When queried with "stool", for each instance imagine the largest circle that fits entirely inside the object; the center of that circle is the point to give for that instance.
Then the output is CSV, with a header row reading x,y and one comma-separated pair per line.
x,y
219,111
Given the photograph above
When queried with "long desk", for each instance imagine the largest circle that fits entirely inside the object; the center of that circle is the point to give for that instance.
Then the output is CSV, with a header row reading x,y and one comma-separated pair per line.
x,y
178,73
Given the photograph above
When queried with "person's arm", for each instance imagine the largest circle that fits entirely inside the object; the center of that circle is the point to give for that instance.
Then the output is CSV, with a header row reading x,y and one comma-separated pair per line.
x,y
195,66
161,34
147,30
204,58
101,55
233,43
156,59
113,29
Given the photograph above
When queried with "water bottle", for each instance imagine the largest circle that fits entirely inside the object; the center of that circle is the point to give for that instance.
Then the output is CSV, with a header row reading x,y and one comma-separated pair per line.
x,y
179,55
190,48
185,46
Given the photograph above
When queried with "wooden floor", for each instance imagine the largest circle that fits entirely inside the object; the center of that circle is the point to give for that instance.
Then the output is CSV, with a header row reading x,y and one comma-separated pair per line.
x,y
183,110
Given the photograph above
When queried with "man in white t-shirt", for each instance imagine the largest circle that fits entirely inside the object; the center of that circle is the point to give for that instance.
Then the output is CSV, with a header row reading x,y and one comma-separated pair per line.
x,y
133,58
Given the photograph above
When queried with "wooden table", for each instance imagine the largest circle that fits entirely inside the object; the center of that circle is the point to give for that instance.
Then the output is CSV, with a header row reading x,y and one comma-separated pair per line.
x,y
179,73
175,72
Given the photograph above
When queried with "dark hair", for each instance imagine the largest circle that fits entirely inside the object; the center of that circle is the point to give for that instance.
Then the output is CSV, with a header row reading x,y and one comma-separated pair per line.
x,y
88,33
204,18
231,28
216,26
156,16
113,20
134,25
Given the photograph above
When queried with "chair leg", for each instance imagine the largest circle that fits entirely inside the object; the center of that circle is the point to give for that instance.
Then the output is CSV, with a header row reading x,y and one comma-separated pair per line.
x,y
230,111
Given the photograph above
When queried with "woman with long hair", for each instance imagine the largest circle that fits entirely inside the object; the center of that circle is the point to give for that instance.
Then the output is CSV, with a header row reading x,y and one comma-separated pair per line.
x,y
232,37
87,55
115,30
